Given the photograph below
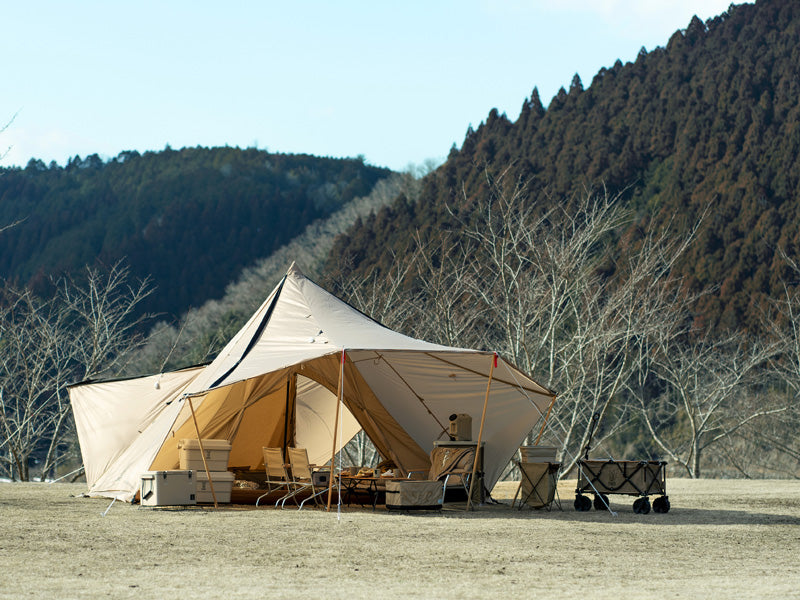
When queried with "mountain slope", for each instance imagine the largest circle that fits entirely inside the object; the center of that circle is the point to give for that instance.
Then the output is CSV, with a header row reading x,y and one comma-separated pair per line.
x,y
709,124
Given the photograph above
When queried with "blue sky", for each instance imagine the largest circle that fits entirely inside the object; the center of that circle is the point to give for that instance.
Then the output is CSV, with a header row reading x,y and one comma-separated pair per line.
x,y
397,82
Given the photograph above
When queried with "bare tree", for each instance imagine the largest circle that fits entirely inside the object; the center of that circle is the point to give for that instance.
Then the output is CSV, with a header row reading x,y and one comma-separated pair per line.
x,y
547,287
775,433
445,311
712,388
389,298
360,451
86,329
570,307
29,375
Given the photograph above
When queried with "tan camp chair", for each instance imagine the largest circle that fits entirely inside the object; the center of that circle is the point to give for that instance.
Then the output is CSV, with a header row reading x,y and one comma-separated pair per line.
x,y
277,477
302,477
447,462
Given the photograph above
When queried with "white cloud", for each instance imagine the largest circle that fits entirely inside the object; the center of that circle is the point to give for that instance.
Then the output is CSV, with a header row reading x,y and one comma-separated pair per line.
x,y
25,143
635,19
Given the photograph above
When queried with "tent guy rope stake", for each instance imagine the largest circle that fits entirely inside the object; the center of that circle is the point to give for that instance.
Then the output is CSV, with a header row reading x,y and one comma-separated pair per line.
x,y
103,514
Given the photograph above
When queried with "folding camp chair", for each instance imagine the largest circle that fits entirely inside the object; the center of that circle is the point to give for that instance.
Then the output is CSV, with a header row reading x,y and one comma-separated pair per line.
x,y
302,477
277,477
447,462
538,484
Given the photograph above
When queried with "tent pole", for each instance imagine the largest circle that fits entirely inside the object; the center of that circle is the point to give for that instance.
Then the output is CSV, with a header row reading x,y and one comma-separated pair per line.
x,y
480,432
336,430
546,417
202,452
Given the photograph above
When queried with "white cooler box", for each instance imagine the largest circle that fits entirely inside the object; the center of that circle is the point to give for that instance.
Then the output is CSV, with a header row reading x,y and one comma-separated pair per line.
x,y
223,484
216,452
167,488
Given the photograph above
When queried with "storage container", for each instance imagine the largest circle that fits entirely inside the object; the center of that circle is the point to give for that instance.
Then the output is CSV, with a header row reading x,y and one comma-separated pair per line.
x,y
167,488
538,483
223,484
216,452
407,494
321,479
531,454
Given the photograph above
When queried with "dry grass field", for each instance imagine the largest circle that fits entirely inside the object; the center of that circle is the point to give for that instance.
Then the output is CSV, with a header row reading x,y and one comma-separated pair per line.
x,y
722,539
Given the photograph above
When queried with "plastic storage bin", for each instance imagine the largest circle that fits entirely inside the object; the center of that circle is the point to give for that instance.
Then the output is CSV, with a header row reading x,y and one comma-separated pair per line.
x,y
216,451
223,484
407,494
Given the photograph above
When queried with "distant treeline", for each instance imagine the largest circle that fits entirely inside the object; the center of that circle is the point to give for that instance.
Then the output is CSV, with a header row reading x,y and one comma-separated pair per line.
x,y
189,219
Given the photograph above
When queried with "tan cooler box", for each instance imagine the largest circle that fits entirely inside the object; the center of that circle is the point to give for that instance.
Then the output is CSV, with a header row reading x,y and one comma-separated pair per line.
x,y
167,488
223,484
216,451
407,494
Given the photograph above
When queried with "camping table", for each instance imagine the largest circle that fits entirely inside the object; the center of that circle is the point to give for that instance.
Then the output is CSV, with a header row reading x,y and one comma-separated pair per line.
x,y
351,484
632,477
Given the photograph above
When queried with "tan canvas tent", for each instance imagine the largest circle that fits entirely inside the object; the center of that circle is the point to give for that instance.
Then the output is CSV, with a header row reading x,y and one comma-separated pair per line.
x,y
276,383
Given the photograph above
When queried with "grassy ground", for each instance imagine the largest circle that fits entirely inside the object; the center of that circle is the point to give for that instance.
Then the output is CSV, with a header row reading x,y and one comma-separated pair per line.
x,y
722,539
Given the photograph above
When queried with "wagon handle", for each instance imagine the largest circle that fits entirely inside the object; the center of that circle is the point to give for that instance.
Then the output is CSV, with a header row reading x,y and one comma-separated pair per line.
x,y
595,418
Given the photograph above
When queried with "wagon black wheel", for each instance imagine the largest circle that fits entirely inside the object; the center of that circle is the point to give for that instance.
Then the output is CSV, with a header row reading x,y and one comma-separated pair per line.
x,y
641,506
600,502
661,504
582,503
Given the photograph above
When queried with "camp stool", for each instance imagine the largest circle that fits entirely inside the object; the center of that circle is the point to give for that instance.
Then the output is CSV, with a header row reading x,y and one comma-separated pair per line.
x,y
538,485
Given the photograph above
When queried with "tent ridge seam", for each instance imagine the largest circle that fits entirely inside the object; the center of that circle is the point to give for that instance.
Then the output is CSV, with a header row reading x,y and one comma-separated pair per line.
x,y
256,335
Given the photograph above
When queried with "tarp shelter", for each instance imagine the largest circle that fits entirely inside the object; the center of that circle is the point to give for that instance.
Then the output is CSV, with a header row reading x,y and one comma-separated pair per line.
x,y
276,382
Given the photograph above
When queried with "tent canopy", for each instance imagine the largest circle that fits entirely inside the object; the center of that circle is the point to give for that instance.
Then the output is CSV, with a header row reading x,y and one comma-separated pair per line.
x,y
275,384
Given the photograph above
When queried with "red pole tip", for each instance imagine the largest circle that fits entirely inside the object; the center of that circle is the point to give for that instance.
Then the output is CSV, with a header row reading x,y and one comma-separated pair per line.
x,y
495,360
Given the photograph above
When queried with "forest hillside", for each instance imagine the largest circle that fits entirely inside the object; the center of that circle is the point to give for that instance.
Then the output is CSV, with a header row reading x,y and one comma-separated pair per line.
x,y
705,128
189,219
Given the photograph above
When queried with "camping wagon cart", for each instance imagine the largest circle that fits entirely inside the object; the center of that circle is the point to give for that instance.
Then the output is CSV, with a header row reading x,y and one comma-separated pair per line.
x,y
634,478
642,478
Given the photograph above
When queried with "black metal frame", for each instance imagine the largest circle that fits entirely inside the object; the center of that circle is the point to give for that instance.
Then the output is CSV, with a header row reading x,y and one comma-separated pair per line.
x,y
655,480
553,468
